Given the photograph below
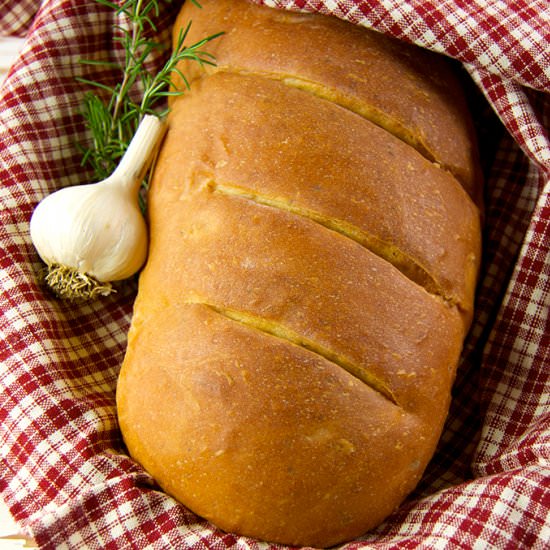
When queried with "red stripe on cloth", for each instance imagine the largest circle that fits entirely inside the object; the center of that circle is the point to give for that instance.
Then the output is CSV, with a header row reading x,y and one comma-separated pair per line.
x,y
17,17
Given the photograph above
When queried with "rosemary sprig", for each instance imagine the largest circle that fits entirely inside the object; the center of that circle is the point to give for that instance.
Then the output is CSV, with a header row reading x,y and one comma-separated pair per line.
x,y
113,122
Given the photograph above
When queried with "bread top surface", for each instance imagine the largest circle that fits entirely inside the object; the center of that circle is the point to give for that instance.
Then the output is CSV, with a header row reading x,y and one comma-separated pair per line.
x,y
262,437
288,372
276,306
322,162
409,91
274,272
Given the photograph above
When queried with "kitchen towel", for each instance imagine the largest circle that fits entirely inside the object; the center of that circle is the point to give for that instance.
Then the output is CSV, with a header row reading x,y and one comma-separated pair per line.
x,y
64,472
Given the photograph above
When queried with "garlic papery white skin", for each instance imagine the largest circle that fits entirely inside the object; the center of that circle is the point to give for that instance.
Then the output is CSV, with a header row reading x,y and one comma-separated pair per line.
x,y
91,235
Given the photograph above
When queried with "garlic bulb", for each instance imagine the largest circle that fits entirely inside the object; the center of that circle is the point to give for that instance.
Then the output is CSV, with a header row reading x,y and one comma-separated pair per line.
x,y
90,235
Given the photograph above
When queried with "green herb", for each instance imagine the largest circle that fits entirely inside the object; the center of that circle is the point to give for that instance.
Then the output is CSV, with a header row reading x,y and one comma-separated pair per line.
x,y
113,122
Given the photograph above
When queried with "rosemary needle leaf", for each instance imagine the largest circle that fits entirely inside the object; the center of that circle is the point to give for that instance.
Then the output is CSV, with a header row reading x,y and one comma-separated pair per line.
x,y
108,4
113,114
98,62
96,84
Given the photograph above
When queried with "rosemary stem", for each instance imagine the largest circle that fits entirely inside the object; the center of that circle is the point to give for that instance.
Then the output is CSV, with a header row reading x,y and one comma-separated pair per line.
x,y
126,73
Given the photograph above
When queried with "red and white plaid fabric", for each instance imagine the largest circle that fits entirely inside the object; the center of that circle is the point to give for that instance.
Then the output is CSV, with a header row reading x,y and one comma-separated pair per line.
x,y
63,471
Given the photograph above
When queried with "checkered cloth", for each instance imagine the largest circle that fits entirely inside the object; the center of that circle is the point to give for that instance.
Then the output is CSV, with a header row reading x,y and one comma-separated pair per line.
x,y
63,471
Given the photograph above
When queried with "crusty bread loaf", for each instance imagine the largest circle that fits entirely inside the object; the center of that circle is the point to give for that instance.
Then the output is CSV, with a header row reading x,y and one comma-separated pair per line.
x,y
315,242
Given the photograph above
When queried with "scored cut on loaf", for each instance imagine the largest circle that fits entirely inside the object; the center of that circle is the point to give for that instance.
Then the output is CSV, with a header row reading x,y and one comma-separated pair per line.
x,y
409,91
314,249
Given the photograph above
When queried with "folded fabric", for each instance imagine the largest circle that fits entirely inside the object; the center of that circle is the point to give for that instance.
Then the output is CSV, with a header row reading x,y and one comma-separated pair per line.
x,y
64,473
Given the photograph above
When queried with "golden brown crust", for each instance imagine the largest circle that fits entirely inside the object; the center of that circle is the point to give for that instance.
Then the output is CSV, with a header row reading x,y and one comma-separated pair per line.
x,y
432,230
279,449
308,287
257,262
407,90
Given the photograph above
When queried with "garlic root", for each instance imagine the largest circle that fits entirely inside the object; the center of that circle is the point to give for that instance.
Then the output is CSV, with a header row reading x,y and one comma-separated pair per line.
x,y
69,283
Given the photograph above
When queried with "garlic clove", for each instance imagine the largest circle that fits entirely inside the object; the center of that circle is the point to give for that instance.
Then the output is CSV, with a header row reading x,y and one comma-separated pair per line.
x,y
90,235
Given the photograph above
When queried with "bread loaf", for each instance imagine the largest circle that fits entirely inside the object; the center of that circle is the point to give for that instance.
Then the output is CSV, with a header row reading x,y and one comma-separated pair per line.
x,y
314,248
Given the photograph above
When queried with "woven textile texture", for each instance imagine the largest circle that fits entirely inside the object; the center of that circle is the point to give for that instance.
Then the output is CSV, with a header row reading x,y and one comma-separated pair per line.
x,y
63,470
